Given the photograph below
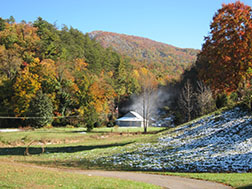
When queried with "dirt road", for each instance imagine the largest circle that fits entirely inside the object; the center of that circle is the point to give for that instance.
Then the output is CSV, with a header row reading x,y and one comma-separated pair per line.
x,y
172,182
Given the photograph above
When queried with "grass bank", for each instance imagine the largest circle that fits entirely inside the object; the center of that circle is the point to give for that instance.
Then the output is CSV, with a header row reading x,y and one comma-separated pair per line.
x,y
236,180
21,176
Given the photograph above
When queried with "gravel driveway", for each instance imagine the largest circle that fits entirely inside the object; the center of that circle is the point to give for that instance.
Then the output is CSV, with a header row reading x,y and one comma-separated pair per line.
x,y
172,182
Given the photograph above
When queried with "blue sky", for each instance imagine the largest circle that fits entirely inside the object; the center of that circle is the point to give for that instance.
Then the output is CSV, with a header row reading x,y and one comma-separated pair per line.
x,y
182,23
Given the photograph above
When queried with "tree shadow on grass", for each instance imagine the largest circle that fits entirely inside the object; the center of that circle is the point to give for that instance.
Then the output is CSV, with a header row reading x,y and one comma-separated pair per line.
x,y
68,149
245,187
82,163
112,131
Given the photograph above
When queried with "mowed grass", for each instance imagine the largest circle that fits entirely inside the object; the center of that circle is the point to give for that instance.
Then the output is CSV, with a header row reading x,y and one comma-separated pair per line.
x,y
64,135
74,148
21,176
237,180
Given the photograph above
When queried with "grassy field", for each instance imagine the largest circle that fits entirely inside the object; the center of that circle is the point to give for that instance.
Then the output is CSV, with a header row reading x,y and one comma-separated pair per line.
x,y
237,180
20,176
66,135
75,148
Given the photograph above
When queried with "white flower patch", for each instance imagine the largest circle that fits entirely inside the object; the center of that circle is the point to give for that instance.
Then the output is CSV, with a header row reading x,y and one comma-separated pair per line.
x,y
212,144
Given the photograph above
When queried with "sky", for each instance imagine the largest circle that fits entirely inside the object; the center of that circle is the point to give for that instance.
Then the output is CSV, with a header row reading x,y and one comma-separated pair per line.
x,y
181,23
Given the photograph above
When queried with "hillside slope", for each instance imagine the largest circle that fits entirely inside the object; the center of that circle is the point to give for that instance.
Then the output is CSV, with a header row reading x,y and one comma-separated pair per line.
x,y
217,143
159,57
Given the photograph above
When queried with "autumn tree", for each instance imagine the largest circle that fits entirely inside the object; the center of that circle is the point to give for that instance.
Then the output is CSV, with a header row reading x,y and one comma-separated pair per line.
x,y
28,42
18,44
25,88
102,95
10,63
227,52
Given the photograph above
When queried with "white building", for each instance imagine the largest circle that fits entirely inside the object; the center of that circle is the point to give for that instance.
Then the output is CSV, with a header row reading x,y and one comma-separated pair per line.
x,y
131,119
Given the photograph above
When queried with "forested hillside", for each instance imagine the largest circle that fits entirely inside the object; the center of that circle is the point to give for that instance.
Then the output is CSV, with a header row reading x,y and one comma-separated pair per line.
x,y
68,77
59,74
164,60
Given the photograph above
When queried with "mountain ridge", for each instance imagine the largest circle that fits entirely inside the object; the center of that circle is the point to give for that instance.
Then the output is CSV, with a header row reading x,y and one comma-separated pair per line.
x,y
94,34
160,58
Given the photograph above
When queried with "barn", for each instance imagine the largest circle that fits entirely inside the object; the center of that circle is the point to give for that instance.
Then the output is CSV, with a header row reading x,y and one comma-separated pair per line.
x,y
131,119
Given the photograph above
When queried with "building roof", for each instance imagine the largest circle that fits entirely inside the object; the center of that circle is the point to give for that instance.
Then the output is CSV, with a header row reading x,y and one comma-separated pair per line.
x,y
131,116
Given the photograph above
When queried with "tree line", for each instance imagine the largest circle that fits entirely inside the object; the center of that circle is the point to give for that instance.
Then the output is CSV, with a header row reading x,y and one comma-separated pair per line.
x,y
61,75
221,76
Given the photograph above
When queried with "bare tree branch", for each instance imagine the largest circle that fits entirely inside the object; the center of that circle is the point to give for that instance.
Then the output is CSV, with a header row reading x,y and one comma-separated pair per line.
x,y
186,100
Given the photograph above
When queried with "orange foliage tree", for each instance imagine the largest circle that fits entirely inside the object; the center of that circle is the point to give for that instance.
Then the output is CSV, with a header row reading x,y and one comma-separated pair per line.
x,y
227,52
102,94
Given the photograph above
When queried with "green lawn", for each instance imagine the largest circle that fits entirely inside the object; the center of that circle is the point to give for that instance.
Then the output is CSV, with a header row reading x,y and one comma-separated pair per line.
x,y
237,180
65,135
75,148
20,176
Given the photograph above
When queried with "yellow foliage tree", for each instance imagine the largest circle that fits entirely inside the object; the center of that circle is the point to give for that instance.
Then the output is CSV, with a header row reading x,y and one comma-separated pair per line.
x,y
25,88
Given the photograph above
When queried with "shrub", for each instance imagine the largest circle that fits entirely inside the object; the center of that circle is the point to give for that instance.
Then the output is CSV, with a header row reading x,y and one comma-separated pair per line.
x,y
98,123
233,97
90,118
247,99
110,124
204,100
41,109
221,100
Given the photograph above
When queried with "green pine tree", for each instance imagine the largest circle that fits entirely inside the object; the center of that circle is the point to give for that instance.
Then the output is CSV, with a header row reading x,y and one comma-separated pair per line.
x,y
41,109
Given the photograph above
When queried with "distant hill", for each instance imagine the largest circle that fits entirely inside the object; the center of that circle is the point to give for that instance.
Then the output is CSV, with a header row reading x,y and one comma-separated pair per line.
x,y
164,60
